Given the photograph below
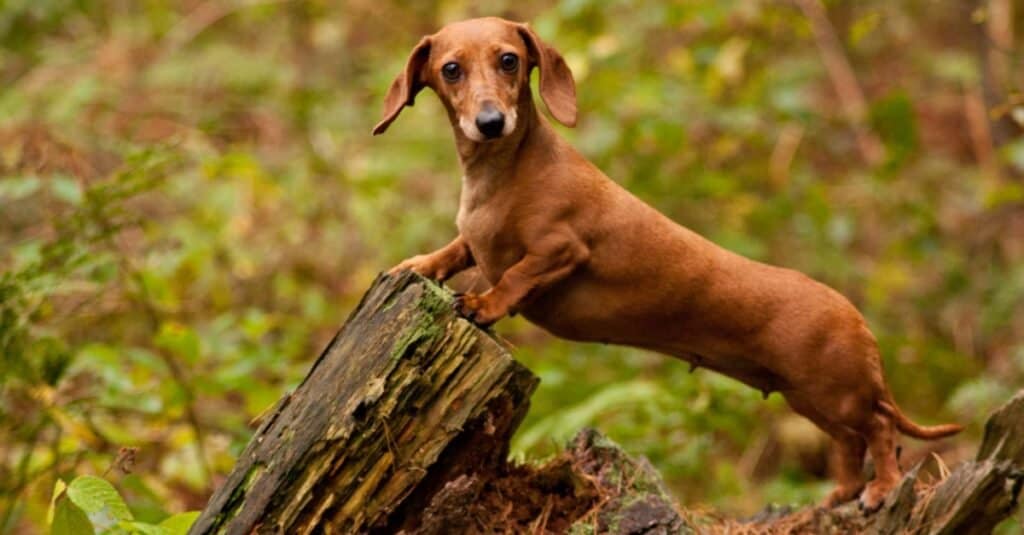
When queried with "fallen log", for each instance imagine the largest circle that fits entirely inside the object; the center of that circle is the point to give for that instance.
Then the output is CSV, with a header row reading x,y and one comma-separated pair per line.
x,y
403,425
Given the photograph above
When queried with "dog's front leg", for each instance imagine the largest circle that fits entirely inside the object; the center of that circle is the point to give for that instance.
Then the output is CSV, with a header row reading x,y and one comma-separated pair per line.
x,y
440,264
552,259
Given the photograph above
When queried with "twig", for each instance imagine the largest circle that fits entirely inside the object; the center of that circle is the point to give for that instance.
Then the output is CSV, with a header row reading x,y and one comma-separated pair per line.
x,y
202,17
22,479
999,31
540,525
783,153
978,131
943,469
851,97
178,376
153,316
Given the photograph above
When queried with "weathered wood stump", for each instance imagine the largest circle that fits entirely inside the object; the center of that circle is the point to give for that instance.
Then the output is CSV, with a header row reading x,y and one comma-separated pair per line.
x,y
406,397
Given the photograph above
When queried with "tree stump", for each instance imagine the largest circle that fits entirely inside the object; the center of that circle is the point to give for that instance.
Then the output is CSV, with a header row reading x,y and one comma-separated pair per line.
x,y
406,397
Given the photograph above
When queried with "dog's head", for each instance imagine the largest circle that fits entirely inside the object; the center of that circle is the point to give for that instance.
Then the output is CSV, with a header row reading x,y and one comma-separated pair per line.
x,y
480,68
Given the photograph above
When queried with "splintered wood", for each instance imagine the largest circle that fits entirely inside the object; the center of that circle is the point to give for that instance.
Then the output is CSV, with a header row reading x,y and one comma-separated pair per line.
x,y
407,395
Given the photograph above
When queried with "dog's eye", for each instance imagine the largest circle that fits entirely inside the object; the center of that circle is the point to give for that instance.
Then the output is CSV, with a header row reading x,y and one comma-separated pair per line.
x,y
509,62
451,71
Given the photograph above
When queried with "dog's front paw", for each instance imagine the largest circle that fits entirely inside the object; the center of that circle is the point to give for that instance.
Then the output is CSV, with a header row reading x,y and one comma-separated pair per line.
x,y
480,309
421,265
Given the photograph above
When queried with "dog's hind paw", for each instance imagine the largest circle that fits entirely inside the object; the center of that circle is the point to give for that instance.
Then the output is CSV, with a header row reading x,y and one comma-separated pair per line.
x,y
841,495
868,503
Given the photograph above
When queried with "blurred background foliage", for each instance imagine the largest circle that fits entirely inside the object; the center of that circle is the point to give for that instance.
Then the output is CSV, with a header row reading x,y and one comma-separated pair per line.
x,y
191,203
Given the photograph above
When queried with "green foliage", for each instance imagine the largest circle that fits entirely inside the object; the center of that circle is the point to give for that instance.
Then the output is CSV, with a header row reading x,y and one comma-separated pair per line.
x,y
893,118
191,202
92,505
98,499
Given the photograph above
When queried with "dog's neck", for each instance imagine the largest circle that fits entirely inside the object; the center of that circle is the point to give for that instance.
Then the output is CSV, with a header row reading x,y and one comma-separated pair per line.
x,y
492,166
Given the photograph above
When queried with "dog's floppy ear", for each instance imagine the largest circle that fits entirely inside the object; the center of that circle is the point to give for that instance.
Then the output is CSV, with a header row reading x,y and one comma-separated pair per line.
x,y
408,82
557,87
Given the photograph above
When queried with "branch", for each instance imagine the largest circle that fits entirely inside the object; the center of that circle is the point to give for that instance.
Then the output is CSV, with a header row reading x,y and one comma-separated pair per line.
x,y
851,97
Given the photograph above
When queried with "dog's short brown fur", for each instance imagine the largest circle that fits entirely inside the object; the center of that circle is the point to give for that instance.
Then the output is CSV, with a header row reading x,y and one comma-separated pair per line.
x,y
582,257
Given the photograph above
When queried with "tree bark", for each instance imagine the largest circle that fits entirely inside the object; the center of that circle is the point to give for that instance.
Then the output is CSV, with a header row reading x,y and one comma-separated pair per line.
x,y
405,397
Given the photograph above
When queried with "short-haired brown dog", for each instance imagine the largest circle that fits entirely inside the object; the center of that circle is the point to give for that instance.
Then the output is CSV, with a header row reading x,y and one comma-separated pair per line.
x,y
580,256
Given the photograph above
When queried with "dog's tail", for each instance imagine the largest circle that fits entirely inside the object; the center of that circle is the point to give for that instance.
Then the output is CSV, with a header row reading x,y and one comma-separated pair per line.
x,y
909,428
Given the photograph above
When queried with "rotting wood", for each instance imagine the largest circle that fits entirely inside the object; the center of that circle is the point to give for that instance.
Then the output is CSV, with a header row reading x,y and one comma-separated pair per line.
x,y
404,383
592,487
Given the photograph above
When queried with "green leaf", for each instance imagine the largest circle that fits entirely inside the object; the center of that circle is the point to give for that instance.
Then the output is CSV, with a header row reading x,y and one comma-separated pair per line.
x,y
68,519
1013,154
99,499
893,118
864,25
142,528
66,189
58,490
180,340
179,523
561,425
15,188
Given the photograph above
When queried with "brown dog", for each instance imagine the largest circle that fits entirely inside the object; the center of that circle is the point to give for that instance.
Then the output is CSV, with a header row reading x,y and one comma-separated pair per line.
x,y
585,259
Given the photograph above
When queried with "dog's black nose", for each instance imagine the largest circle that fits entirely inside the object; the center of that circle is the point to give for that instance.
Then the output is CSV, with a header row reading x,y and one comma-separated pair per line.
x,y
490,122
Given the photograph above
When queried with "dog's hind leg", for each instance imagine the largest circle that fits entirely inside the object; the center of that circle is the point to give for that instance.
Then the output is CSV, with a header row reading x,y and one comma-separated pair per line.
x,y
848,462
848,449
881,439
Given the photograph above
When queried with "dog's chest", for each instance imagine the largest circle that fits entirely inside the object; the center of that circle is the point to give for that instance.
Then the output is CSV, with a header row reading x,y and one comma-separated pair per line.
x,y
485,222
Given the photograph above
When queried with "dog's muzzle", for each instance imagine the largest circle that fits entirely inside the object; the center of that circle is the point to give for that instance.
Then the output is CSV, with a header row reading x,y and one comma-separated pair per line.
x,y
490,122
